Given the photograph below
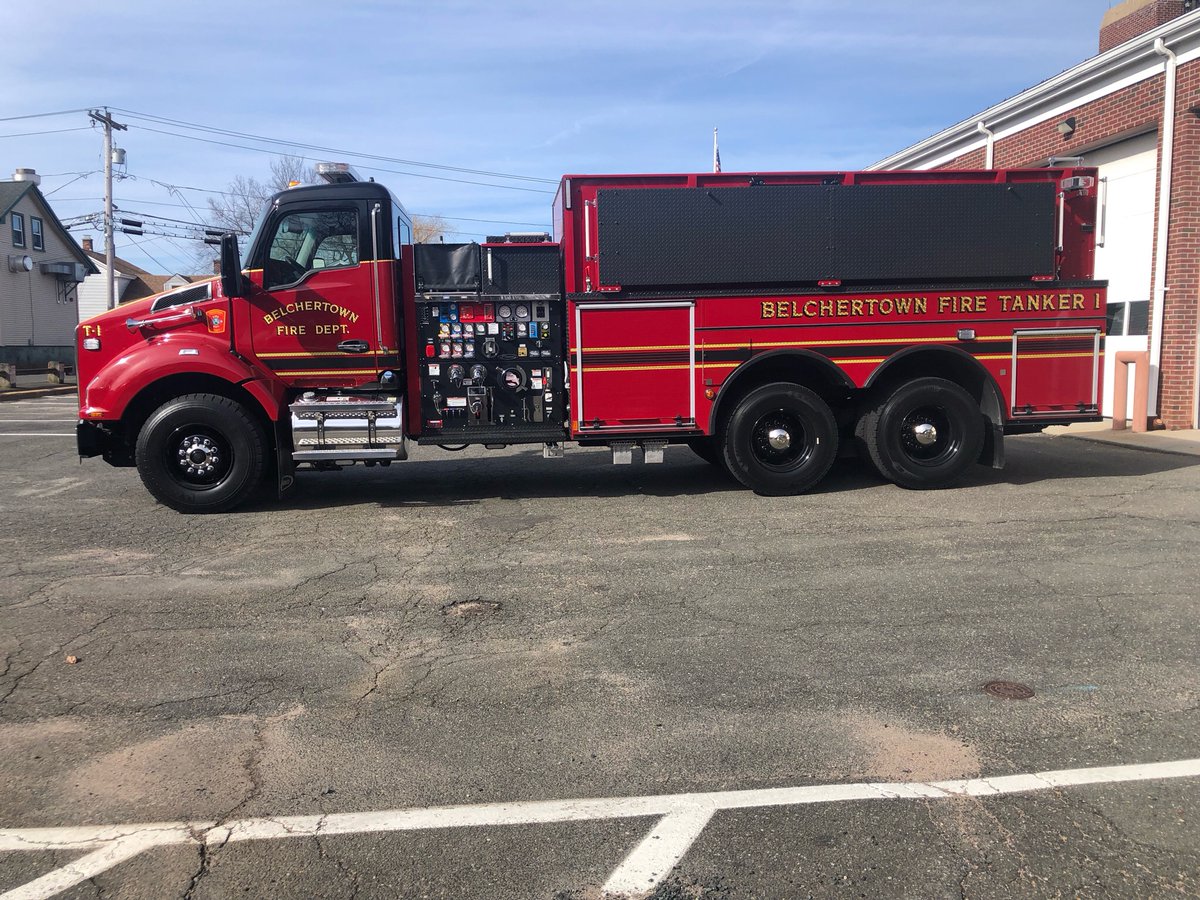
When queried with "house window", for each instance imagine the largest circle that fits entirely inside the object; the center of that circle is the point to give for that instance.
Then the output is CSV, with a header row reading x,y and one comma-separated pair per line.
x,y
35,231
18,227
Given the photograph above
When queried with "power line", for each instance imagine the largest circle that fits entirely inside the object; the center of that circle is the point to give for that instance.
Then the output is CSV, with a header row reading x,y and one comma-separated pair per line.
x,y
179,123
142,247
36,133
61,112
78,177
190,137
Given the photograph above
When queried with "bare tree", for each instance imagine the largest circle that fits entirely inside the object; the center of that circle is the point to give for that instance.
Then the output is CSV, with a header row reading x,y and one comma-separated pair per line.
x,y
429,229
238,208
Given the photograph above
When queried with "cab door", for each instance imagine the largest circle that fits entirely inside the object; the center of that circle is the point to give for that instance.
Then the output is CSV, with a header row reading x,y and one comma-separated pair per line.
x,y
315,315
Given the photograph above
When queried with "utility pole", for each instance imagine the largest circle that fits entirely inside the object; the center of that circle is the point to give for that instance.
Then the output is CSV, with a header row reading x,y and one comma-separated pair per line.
x,y
107,121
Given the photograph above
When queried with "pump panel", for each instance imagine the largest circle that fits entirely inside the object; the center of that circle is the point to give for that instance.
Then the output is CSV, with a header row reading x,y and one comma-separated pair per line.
x,y
491,361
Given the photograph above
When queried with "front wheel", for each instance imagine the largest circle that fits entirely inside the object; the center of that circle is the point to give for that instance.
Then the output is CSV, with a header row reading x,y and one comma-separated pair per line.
x,y
201,453
925,434
781,439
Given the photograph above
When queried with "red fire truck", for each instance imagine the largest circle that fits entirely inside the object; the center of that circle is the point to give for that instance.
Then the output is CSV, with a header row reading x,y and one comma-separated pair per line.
x,y
769,321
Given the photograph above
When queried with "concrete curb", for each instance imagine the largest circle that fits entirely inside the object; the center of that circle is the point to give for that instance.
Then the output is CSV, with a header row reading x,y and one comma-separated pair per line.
x,y
1152,445
29,393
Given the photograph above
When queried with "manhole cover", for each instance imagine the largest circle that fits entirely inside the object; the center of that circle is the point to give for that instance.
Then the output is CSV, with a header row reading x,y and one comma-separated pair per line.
x,y
1008,690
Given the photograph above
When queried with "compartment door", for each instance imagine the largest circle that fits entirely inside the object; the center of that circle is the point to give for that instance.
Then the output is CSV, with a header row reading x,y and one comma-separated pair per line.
x,y
1055,372
635,366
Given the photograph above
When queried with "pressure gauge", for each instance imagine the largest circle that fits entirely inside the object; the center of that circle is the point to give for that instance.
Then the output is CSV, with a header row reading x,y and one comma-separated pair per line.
x,y
504,312
523,313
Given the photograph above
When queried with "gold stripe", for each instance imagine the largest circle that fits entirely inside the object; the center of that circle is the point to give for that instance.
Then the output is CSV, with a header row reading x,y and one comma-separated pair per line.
x,y
307,354
589,369
829,343
648,347
296,372
1046,355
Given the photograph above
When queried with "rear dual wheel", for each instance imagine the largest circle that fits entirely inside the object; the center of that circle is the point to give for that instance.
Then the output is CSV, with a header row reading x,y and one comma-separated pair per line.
x,y
781,439
925,434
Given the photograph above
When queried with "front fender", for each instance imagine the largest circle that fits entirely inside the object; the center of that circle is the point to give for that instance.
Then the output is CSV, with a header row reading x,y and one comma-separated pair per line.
x,y
108,394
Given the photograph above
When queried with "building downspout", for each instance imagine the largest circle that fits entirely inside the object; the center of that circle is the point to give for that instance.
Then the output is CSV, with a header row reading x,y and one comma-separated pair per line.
x,y
1164,219
991,144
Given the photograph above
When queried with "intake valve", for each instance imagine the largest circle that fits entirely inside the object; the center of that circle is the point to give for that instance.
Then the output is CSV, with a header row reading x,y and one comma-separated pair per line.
x,y
513,379
456,375
478,373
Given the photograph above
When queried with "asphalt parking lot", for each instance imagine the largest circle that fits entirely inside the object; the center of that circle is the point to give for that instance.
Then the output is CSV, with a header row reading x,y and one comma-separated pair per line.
x,y
486,674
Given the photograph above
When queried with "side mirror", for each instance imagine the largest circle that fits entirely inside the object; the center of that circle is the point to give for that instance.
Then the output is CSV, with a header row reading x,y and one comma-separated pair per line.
x,y
232,282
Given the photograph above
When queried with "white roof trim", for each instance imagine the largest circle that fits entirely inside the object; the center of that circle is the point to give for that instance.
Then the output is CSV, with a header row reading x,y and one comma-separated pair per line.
x,y
1111,71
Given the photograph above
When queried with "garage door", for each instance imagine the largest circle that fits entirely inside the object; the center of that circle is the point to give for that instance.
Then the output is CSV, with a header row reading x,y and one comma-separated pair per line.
x,y
1127,170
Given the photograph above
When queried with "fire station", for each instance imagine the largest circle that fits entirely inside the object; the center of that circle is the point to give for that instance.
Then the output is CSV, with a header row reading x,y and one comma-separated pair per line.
x,y
1133,112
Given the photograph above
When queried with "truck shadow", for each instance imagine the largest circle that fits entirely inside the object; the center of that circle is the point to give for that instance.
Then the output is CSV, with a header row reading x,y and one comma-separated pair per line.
x,y
441,479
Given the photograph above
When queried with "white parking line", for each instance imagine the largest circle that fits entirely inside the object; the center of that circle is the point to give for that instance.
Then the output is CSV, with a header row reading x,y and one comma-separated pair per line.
x,y
35,434
681,819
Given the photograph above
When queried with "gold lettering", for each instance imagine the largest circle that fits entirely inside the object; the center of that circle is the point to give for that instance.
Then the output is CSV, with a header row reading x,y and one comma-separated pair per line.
x,y
871,301
843,308
810,308
981,303
943,304
781,310
768,309
904,305
886,306
1018,304
826,308
1077,301
921,306
856,308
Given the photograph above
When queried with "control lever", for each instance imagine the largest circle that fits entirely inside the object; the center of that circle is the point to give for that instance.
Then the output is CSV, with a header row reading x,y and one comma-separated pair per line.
x,y
354,346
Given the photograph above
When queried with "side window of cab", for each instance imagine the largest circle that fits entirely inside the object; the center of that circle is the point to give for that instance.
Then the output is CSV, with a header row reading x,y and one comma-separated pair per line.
x,y
307,242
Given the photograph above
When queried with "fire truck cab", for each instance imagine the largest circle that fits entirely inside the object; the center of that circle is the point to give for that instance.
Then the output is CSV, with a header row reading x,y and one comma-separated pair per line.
x,y
770,321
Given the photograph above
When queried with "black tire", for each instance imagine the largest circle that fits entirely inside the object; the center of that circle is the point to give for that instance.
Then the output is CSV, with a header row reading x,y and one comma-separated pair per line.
x,y
708,449
934,458
795,459
201,453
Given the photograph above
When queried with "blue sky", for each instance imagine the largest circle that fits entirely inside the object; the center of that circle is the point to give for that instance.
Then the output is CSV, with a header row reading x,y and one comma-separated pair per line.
x,y
529,89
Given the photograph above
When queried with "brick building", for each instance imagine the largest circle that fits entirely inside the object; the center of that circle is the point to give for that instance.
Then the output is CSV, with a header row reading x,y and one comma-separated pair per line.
x,y
1133,111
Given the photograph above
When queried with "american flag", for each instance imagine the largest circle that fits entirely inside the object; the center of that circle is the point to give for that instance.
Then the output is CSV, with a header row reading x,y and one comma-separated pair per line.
x,y
716,153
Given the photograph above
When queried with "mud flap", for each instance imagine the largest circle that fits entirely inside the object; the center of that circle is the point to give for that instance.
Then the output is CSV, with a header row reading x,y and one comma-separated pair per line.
x,y
993,445
285,469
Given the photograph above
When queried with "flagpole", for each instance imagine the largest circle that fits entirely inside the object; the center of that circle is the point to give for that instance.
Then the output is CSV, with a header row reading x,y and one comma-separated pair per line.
x,y
716,153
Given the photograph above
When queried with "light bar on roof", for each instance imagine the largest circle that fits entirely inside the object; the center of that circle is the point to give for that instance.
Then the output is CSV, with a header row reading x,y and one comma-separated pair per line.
x,y
337,172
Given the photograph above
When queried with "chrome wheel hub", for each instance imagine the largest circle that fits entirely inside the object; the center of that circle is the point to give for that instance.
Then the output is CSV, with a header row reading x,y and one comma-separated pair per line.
x,y
779,438
199,455
925,434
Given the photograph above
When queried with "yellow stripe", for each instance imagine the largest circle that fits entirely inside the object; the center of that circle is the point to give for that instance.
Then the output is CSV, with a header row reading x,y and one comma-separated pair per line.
x,y
843,362
295,372
588,370
1046,355
759,344
307,354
